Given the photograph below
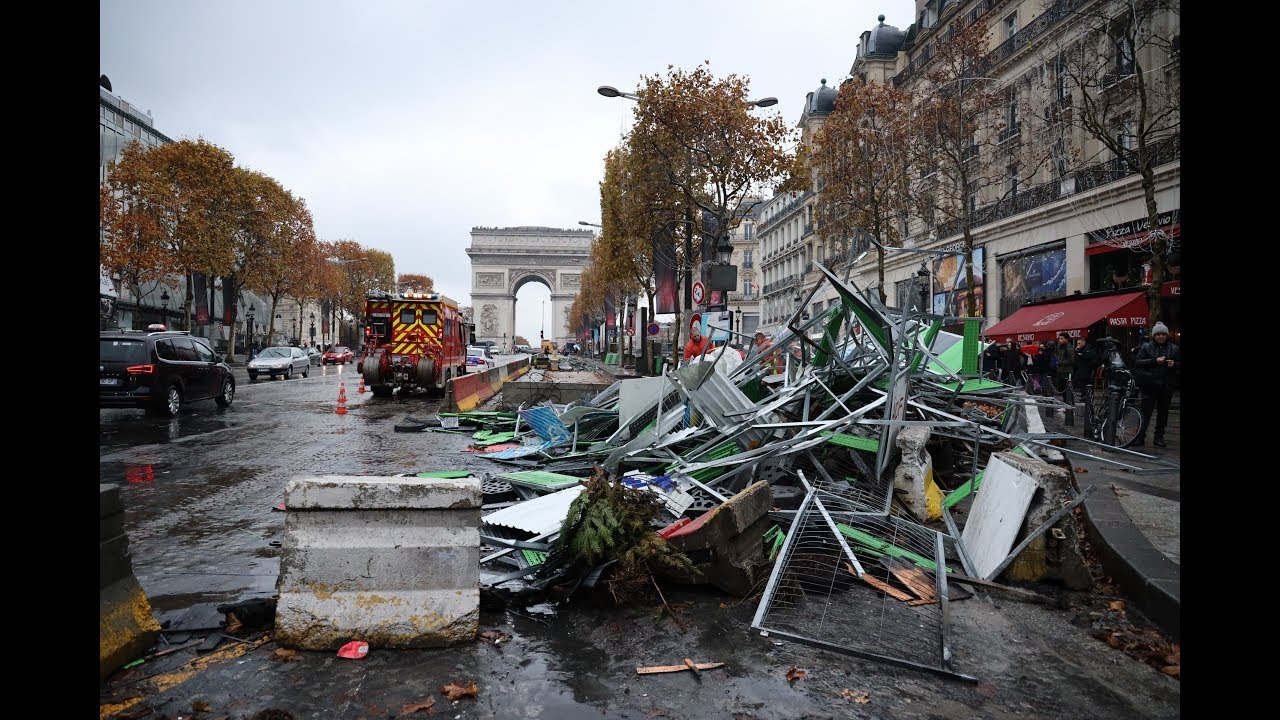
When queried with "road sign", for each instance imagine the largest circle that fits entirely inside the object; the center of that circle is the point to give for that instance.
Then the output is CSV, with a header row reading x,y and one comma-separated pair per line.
x,y
631,332
699,293
654,329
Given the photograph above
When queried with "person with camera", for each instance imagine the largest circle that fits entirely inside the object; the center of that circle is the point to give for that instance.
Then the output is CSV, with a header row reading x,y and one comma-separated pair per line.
x,y
1156,370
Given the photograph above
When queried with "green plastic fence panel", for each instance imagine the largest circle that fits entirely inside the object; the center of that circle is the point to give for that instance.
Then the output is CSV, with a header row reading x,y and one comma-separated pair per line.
x,y
972,344
974,385
540,479
491,438
857,442
949,360
444,474
773,539
823,354
930,333
722,450
875,546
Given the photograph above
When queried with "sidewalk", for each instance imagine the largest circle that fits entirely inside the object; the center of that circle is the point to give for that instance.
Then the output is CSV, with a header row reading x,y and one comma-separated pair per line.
x,y
1134,519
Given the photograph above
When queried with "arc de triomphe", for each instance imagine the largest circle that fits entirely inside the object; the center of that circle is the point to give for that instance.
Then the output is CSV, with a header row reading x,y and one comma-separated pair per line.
x,y
504,259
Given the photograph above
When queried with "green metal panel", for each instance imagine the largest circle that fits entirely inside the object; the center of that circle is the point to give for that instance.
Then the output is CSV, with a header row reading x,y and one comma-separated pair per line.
x,y
930,334
540,479
972,346
446,474
857,442
872,545
823,354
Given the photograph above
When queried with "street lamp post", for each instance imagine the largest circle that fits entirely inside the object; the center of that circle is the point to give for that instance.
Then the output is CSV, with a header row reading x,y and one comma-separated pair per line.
x,y
164,311
313,329
279,319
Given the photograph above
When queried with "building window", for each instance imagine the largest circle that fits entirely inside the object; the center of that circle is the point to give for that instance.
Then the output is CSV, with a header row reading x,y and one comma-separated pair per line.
x,y
746,258
748,231
1011,182
1063,89
1124,56
1060,157
1124,135
971,191
1010,26
1012,117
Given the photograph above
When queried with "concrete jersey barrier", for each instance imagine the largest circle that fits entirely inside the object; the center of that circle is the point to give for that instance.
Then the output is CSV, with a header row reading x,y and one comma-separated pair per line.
x,y
474,388
392,561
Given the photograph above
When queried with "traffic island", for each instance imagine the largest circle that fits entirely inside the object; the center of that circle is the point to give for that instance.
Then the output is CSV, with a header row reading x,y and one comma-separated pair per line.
x,y
392,561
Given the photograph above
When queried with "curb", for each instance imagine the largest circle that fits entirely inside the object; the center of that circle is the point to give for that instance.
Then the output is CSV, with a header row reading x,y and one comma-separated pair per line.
x,y
1145,576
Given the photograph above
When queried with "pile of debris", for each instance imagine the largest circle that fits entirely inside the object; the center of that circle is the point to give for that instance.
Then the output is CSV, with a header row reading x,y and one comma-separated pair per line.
x,y
857,474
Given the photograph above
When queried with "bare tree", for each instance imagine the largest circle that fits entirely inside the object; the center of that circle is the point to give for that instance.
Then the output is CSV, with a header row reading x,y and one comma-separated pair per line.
x,y
1121,83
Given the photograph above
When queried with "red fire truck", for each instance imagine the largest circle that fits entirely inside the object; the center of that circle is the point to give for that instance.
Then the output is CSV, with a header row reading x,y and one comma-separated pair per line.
x,y
412,341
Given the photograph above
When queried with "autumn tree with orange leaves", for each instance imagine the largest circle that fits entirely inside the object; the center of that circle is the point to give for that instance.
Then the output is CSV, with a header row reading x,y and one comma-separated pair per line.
x,y
412,282
169,210
697,133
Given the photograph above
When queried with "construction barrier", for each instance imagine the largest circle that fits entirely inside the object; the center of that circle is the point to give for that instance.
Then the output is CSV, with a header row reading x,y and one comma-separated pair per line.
x,y
393,561
468,391
126,626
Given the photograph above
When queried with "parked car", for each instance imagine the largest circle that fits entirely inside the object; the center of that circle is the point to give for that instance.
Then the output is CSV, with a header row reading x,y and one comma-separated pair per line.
x,y
339,355
314,355
524,349
478,356
279,360
160,371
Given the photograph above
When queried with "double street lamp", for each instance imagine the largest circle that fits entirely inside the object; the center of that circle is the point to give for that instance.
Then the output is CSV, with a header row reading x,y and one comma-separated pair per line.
x,y
611,92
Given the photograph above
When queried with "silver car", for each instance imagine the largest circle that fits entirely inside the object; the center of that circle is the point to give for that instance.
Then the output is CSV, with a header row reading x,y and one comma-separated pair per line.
x,y
279,360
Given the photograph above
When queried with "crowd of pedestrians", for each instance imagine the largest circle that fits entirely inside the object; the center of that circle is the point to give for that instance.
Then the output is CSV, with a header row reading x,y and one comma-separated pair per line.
x,y
1070,368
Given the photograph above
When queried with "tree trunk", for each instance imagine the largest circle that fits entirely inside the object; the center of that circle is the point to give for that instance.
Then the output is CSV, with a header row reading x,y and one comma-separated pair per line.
x,y
884,297
970,307
1157,246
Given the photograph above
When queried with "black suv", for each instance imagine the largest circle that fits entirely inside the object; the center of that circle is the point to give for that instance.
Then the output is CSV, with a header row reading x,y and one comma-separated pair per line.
x,y
160,371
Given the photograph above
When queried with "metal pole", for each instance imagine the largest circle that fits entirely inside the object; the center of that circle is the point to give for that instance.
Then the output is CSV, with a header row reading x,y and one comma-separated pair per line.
x,y
688,259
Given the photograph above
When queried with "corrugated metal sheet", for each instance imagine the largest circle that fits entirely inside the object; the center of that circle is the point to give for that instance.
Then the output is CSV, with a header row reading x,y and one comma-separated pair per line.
x,y
539,515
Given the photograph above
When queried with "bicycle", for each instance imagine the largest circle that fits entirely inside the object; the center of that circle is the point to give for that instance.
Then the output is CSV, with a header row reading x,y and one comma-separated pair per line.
x,y
1116,419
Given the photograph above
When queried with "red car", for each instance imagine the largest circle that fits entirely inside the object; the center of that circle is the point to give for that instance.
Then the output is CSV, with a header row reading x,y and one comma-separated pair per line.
x,y
339,355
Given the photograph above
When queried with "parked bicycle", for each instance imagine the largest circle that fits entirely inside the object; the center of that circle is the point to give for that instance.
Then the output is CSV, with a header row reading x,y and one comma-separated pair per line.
x,y
1115,418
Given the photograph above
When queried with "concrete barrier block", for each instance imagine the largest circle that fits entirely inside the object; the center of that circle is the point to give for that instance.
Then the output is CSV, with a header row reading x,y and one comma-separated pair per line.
x,y
126,625
393,561
913,476
726,543
1045,557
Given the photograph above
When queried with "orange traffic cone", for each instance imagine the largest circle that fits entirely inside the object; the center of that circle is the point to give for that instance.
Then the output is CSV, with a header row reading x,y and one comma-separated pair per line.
x,y
360,388
342,399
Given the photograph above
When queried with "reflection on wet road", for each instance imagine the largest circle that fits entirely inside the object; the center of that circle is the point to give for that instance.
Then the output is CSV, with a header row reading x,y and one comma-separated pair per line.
x,y
199,490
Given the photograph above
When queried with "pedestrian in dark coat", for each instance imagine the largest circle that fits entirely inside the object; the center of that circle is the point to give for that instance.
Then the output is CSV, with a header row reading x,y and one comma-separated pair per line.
x,y
1013,363
1065,353
1156,369
991,362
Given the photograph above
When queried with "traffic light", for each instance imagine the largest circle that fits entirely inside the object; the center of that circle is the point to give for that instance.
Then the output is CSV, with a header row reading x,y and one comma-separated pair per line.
x,y
542,335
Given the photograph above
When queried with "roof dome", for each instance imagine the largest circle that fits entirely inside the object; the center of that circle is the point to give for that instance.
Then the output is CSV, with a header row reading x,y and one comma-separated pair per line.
x,y
822,100
885,39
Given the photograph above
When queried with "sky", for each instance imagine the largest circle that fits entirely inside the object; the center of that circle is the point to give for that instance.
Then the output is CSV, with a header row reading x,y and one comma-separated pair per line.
x,y
404,124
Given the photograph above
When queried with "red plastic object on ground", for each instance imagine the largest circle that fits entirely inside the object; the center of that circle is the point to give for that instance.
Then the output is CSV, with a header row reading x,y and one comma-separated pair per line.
x,y
670,530
354,650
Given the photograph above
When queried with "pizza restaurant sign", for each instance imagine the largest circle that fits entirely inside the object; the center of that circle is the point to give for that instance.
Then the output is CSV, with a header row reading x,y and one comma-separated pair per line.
x,y
1170,222
1128,321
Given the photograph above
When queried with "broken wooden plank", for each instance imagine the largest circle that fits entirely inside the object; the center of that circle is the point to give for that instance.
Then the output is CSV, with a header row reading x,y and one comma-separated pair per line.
x,y
676,668
690,664
911,576
880,585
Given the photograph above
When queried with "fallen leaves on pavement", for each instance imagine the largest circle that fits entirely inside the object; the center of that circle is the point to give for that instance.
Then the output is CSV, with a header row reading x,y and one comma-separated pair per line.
x,y
286,655
494,636
1148,644
795,674
423,706
454,691
857,696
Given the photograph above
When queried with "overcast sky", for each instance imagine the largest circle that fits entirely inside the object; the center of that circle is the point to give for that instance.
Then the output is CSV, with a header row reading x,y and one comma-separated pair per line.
x,y
404,124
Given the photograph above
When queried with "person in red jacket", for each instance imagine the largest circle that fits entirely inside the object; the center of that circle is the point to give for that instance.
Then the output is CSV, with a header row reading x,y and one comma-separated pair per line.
x,y
697,342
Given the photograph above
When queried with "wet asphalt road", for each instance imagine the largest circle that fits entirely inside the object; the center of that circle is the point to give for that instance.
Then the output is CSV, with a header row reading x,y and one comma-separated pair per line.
x,y
199,492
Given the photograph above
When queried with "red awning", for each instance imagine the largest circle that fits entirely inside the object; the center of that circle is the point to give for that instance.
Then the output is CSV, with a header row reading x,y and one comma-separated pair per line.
x,y
1044,322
